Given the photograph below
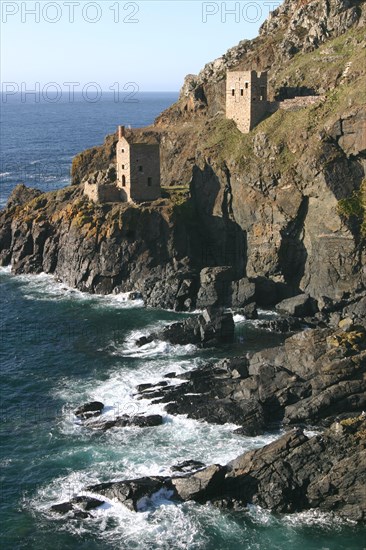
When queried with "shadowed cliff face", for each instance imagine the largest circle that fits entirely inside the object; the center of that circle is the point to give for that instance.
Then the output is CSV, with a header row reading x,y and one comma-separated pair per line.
x,y
288,214
265,203
101,249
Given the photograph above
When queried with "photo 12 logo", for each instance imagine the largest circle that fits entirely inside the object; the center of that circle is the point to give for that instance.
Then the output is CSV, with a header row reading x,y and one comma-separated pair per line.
x,y
68,92
238,12
54,12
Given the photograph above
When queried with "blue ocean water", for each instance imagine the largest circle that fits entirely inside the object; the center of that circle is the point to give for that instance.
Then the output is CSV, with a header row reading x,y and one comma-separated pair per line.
x,y
39,136
60,348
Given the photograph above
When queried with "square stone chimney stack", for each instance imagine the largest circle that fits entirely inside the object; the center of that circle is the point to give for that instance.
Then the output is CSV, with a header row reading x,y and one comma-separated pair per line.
x,y
121,132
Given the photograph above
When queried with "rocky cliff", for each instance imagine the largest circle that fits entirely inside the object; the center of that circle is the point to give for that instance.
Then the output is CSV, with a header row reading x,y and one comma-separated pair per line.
x,y
284,203
293,474
101,249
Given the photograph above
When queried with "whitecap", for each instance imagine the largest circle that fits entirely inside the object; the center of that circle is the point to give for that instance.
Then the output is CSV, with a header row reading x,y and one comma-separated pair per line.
x,y
44,287
268,313
313,517
239,318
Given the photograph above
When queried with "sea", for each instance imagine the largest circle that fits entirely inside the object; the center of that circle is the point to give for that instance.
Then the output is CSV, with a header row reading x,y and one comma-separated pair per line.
x,y
61,348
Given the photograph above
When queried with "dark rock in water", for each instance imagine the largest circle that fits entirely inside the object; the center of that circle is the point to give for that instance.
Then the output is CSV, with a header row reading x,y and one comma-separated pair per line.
x,y
62,508
316,375
221,411
296,473
218,289
143,387
298,306
135,296
188,466
87,503
215,287
146,421
214,393
89,410
79,506
283,325
211,328
144,340
127,421
200,486
249,311
136,493
293,474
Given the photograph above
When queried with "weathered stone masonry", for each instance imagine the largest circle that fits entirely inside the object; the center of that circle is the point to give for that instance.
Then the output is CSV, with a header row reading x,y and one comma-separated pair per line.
x,y
246,98
137,174
138,169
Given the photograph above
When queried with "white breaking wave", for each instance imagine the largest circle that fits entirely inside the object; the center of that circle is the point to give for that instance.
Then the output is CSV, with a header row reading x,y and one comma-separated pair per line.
x,y
151,450
265,313
44,287
164,525
239,318
154,348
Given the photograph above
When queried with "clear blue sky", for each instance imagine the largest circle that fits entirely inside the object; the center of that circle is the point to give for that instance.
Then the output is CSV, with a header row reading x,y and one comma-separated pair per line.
x,y
167,40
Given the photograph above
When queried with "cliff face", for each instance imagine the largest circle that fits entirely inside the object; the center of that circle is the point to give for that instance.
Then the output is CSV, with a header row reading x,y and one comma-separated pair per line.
x,y
100,249
266,203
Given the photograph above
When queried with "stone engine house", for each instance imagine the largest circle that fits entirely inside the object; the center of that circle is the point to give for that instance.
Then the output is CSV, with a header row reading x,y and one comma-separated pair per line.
x,y
138,168
136,176
246,98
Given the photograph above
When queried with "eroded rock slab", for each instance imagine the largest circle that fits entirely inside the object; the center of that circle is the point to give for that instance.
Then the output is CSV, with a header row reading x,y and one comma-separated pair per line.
x,y
293,474
125,421
211,328
314,377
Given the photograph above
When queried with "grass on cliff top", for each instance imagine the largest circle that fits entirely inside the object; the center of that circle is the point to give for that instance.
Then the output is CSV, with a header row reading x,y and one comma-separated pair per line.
x,y
227,143
177,194
325,65
180,198
289,133
222,137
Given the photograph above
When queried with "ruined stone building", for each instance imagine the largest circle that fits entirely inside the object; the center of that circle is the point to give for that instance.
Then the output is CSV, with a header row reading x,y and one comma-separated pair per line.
x,y
246,98
247,101
138,167
136,176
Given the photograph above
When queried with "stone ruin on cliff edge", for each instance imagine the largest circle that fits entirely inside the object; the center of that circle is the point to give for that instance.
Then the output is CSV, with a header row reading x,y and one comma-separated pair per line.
x,y
247,102
136,177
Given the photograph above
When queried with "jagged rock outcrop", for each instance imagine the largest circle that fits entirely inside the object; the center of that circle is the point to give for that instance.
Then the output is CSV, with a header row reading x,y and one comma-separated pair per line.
x,y
125,421
314,377
292,28
21,195
101,249
298,306
268,202
296,473
293,474
79,507
136,494
89,410
211,328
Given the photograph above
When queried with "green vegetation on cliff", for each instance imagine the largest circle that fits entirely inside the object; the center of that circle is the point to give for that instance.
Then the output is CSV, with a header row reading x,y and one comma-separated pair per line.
x,y
353,209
